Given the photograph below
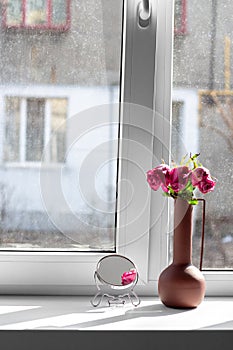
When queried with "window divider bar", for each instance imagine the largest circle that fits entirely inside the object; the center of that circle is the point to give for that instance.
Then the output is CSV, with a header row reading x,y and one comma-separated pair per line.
x,y
49,12
47,127
2,127
24,9
23,129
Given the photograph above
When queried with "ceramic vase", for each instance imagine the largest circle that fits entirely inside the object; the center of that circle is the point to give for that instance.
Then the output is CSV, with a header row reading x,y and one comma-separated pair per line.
x,y
182,285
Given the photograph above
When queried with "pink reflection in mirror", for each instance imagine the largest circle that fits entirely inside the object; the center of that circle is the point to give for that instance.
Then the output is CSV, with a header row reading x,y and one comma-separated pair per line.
x,y
128,277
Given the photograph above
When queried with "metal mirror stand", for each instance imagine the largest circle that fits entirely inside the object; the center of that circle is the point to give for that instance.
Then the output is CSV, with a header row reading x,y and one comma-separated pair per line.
x,y
114,293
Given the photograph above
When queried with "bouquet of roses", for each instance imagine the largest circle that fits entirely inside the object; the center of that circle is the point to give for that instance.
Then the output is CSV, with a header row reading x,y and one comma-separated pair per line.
x,y
182,180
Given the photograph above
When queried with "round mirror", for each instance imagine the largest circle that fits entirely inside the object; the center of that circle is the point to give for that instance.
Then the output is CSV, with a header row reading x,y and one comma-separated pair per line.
x,y
116,270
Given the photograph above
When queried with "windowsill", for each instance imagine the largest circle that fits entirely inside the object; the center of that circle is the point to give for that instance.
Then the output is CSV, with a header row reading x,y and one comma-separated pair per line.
x,y
76,313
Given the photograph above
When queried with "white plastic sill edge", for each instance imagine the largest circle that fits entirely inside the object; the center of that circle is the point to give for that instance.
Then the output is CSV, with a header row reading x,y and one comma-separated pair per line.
x,y
65,313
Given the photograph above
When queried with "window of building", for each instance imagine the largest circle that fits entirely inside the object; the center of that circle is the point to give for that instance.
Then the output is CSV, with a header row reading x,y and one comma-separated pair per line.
x,y
180,17
41,14
29,124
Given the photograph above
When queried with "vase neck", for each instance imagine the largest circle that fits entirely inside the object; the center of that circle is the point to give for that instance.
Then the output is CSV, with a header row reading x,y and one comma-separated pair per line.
x,y
182,241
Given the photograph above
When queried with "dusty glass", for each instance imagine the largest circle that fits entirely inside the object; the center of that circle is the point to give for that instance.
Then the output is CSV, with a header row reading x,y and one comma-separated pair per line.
x,y
36,12
49,81
59,8
202,117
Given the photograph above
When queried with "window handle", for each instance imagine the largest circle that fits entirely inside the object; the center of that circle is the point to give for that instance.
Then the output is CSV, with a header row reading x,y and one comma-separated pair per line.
x,y
144,11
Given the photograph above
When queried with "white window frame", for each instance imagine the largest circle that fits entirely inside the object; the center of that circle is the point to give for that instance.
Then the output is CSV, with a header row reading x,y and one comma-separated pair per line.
x,y
146,81
143,72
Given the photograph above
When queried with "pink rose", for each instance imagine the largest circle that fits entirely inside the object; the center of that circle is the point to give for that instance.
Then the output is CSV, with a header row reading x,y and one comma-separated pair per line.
x,y
198,175
128,277
159,176
206,185
179,178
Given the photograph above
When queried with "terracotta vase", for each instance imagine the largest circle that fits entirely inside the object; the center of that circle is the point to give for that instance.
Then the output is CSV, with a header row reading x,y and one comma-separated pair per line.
x,y
182,285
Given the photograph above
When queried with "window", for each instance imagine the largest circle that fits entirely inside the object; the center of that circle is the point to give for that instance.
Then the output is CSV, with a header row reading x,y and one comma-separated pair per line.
x,y
58,123
29,122
210,123
185,133
59,107
41,14
203,86
92,79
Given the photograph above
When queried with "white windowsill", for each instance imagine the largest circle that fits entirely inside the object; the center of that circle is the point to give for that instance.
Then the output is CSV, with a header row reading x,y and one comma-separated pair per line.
x,y
76,313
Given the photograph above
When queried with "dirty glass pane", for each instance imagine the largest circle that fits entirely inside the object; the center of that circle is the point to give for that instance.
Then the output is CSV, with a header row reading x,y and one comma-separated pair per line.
x,y
12,129
203,86
59,9
177,108
58,153
178,15
36,12
35,129
14,15
58,128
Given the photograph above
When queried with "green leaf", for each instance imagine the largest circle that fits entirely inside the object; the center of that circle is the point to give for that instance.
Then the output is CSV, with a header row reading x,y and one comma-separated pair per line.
x,y
171,190
183,159
187,192
166,194
193,201
188,188
195,165
194,156
193,159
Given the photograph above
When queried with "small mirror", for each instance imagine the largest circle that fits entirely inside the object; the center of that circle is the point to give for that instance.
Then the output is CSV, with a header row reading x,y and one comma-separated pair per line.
x,y
115,278
116,270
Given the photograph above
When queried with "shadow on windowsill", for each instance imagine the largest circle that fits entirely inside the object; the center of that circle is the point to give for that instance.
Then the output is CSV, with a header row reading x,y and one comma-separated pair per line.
x,y
157,310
